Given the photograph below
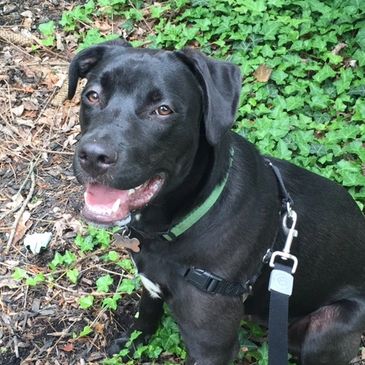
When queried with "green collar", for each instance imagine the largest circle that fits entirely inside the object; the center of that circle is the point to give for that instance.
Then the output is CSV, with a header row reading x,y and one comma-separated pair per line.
x,y
198,212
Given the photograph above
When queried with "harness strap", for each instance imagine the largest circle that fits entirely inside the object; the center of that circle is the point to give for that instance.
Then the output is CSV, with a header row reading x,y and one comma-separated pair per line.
x,y
285,196
211,283
214,284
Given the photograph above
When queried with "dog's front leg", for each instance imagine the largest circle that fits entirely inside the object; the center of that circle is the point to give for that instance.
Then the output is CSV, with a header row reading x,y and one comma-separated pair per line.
x,y
150,313
209,326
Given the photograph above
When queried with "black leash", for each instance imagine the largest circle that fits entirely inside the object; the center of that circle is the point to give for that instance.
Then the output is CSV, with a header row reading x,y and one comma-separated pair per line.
x,y
284,265
278,316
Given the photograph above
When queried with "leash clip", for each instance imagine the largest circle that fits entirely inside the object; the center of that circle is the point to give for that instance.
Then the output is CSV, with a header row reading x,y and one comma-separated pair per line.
x,y
290,232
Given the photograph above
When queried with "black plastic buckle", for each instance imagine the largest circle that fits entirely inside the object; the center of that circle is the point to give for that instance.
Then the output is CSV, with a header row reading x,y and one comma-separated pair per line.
x,y
202,279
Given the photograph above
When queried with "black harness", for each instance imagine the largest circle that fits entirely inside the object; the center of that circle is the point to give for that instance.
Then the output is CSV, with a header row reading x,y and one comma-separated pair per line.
x,y
214,284
281,280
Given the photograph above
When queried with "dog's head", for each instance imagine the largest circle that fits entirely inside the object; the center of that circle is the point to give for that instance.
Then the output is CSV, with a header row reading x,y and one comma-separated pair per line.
x,y
142,115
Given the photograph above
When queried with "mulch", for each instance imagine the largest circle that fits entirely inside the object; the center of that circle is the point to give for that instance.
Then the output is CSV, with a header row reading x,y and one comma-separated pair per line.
x,y
38,193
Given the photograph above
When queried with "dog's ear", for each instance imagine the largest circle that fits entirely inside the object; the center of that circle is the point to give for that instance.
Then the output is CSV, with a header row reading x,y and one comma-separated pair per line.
x,y
221,85
84,61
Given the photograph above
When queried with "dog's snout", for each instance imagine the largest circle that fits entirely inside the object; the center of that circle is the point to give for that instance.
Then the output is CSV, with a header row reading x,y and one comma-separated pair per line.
x,y
96,158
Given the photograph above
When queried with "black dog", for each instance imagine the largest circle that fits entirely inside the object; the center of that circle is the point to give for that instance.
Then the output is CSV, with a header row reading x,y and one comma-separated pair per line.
x,y
157,150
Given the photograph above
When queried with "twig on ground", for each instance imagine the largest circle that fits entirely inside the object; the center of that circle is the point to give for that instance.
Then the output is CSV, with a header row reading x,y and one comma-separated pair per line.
x,y
15,208
64,333
16,349
9,100
78,292
22,209
110,271
45,106
54,152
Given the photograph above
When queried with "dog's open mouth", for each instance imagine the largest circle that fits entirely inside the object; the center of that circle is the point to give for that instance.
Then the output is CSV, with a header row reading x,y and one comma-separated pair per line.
x,y
107,205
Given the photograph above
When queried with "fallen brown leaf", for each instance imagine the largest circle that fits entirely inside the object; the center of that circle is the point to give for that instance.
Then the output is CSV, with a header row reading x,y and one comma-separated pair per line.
x,y
23,225
50,80
68,347
99,327
262,73
31,105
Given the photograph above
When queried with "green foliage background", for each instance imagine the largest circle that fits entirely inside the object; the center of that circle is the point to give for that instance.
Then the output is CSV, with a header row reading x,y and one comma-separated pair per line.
x,y
311,111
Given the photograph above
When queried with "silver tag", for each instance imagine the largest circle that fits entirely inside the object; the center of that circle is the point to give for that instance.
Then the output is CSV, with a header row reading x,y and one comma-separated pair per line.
x,y
281,282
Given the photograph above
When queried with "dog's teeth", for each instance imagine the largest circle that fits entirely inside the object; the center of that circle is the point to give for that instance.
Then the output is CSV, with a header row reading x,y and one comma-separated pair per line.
x,y
131,191
85,195
138,187
116,206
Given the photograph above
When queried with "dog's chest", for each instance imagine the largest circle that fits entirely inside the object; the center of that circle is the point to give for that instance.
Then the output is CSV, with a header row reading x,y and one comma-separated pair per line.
x,y
153,288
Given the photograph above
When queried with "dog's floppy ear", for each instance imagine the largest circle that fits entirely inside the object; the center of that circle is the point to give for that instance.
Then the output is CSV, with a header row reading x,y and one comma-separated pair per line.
x,y
84,61
221,84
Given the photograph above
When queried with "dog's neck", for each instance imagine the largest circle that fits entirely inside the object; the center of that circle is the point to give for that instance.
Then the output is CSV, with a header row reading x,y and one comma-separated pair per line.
x,y
208,169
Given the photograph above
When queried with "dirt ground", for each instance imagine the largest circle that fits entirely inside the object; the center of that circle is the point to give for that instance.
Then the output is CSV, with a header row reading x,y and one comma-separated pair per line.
x,y
38,193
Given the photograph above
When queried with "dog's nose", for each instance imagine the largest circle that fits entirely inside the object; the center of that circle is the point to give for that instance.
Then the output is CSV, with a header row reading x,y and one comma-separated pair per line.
x,y
96,158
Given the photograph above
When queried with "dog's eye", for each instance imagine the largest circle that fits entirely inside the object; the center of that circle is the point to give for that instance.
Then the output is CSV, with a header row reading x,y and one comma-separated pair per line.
x,y
92,97
163,110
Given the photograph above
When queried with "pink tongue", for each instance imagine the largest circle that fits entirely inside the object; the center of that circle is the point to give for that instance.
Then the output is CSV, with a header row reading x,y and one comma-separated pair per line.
x,y
97,194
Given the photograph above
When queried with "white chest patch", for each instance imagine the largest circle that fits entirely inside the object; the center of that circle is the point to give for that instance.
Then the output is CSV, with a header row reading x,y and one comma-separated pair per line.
x,y
154,289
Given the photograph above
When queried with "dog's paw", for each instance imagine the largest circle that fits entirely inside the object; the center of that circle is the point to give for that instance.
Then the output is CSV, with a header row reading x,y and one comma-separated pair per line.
x,y
117,344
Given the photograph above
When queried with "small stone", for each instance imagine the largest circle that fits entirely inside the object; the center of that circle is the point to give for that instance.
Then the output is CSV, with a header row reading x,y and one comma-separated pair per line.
x,y
9,8
27,14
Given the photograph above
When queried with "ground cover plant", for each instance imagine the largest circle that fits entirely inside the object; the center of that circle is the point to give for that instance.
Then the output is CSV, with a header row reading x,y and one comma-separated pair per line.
x,y
303,99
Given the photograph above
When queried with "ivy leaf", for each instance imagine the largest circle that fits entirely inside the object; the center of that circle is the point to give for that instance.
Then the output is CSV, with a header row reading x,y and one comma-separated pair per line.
x,y
294,102
344,82
86,301
103,237
85,244
112,303
323,74
127,265
359,110
47,29
349,173
270,29
72,275
19,274
57,260
86,331
264,354
103,283
33,281
69,257
282,150
360,38
279,77
127,286
112,256
360,57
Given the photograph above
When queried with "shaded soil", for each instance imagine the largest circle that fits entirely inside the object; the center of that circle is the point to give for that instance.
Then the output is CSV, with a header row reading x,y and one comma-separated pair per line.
x,y
38,130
